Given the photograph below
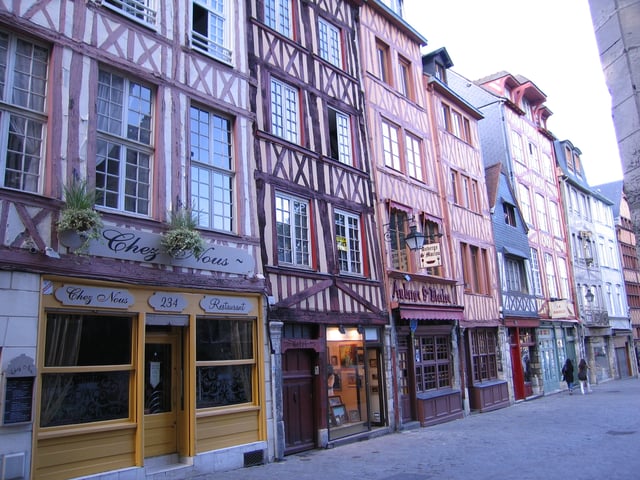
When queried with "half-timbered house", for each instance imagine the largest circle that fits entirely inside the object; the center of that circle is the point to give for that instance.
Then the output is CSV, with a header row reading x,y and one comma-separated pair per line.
x,y
470,236
425,301
121,360
514,132
316,217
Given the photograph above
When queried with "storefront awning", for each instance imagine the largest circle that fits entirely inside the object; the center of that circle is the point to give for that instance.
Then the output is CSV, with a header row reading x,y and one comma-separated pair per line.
x,y
431,313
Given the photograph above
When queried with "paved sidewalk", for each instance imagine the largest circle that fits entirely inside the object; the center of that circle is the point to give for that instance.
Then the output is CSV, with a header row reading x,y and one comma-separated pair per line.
x,y
561,436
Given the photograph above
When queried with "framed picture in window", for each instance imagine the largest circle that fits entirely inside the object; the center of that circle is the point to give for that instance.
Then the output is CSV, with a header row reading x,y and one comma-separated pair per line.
x,y
339,415
354,416
335,400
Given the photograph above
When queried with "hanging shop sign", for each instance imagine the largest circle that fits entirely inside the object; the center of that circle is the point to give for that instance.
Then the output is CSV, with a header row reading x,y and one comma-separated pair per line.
x,y
85,296
430,255
126,244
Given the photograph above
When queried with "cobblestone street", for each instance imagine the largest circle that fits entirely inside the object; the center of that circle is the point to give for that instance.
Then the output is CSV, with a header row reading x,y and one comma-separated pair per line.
x,y
560,436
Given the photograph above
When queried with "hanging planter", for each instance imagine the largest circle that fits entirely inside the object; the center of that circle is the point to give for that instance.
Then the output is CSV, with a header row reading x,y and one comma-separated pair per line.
x,y
79,222
182,239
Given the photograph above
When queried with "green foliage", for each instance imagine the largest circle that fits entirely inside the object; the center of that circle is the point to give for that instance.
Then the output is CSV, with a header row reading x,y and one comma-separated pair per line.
x,y
78,213
183,235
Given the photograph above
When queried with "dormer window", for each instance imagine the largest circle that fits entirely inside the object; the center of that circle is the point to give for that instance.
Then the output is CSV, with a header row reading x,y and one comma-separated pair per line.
x,y
440,72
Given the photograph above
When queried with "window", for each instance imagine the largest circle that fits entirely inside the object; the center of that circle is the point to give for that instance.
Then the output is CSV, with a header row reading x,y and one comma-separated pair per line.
x,y
525,203
390,146
431,231
292,226
141,10
87,369
398,230
563,273
405,85
554,215
277,15
551,276
456,123
534,162
446,117
284,111
225,362
509,214
330,43
212,176
483,354
541,213
465,191
516,147
475,267
515,275
124,150
210,32
440,72
382,53
340,136
535,273
413,154
348,242
433,366
23,82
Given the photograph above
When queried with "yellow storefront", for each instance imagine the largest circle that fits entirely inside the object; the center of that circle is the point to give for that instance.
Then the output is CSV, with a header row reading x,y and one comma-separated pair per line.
x,y
127,373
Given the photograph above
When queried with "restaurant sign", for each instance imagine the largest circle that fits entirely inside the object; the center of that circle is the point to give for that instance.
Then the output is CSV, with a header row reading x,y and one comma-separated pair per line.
x,y
421,294
126,244
81,295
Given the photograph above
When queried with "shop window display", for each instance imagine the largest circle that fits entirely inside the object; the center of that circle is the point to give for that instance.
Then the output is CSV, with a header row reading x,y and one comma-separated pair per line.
x,y
347,382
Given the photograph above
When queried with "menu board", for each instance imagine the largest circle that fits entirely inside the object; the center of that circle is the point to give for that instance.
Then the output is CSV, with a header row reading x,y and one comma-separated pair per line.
x,y
18,400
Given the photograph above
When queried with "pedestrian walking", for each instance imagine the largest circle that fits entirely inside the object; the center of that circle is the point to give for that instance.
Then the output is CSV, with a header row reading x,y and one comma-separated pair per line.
x,y
567,375
583,376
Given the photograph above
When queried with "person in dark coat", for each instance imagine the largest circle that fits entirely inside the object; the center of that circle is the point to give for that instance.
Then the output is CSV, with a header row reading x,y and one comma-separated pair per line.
x,y
567,375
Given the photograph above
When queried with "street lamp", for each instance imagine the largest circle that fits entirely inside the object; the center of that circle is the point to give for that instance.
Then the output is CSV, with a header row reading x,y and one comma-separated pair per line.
x,y
414,239
589,295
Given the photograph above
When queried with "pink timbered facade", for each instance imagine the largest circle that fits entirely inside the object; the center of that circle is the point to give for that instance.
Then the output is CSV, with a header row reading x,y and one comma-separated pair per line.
x,y
455,124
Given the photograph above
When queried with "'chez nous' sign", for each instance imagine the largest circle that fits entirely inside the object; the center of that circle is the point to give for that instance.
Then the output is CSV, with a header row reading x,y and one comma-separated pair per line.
x,y
126,244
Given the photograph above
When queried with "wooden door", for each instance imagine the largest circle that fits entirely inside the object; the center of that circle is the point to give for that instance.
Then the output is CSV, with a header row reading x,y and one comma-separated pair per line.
x,y
518,373
160,406
405,384
298,400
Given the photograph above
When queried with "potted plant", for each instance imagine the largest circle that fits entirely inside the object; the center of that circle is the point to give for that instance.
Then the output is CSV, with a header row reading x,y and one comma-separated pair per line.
x,y
183,237
79,222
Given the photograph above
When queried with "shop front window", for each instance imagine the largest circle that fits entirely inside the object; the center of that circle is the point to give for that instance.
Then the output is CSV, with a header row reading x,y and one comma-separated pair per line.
x,y
225,362
87,369
434,368
347,382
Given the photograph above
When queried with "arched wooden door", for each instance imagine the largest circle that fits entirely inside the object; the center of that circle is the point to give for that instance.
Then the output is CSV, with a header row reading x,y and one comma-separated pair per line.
x,y
298,400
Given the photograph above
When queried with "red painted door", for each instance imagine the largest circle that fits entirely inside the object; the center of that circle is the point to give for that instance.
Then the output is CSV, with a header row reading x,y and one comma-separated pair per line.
x,y
518,373
297,379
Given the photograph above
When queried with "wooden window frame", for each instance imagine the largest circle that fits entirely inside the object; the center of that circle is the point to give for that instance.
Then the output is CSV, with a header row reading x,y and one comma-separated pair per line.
x,y
383,60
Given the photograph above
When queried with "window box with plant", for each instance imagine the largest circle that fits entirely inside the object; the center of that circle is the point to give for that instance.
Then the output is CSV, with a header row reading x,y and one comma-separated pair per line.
x,y
79,222
182,239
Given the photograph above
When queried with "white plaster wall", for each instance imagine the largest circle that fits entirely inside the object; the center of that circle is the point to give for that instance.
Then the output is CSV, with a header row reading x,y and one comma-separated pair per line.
x,y
19,297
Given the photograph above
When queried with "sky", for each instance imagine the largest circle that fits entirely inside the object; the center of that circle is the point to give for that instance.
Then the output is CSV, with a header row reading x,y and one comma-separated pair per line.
x,y
552,43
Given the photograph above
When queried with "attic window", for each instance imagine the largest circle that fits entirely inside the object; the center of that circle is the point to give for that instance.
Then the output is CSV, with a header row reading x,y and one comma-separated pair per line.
x,y
509,214
441,72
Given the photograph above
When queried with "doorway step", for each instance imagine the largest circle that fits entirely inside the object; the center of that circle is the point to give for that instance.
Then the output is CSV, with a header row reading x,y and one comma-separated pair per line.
x,y
156,468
